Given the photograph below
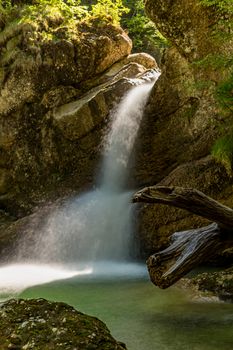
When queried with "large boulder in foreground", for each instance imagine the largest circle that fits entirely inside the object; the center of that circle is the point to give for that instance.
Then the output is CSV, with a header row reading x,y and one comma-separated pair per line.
x,y
44,325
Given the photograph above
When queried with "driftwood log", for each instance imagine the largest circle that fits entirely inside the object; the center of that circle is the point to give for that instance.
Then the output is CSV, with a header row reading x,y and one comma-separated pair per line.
x,y
190,248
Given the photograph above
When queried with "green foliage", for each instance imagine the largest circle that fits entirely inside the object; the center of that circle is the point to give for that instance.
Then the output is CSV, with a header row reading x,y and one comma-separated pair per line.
x,y
222,62
222,151
141,29
223,10
215,61
5,8
223,5
36,10
128,13
108,8
224,93
224,89
69,9
4,4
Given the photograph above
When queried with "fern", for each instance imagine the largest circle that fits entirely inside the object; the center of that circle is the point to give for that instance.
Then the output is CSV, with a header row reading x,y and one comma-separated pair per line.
x,y
224,93
222,151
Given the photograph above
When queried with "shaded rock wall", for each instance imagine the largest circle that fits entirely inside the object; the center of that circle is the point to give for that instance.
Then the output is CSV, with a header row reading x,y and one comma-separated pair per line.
x,y
158,222
183,118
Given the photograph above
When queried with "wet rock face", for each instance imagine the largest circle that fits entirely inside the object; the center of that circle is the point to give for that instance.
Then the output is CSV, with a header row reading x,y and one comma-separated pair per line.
x,y
40,324
57,87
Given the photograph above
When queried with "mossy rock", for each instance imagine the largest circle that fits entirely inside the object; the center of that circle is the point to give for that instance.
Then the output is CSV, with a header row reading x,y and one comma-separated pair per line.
x,y
44,325
218,283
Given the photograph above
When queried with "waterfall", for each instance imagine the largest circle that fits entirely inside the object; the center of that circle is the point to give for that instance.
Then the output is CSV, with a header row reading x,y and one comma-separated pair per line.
x,y
120,140
91,233
96,226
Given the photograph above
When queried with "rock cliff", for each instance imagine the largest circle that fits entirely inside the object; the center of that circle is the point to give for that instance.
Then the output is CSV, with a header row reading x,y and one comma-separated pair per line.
x,y
58,83
183,118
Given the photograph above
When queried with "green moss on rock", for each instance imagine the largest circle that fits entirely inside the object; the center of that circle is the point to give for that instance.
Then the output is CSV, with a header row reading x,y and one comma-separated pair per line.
x,y
43,325
218,284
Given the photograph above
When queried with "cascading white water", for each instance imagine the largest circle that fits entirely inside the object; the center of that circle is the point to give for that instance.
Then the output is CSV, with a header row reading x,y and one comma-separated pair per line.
x,y
93,228
97,225
125,124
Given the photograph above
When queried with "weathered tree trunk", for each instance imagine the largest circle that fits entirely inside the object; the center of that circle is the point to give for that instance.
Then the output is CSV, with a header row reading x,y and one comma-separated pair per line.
x,y
189,248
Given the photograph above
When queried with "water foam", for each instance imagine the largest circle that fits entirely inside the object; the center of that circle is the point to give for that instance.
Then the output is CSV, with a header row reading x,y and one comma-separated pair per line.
x,y
16,277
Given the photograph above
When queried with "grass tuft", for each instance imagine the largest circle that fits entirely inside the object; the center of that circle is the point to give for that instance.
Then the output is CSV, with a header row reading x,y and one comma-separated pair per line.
x,y
222,151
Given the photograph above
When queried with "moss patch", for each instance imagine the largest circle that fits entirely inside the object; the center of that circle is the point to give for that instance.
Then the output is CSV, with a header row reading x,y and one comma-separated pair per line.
x,y
219,283
44,325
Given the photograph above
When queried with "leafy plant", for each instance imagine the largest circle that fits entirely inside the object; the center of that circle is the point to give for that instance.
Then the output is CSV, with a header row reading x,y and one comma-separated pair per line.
x,y
70,9
224,93
223,28
141,29
222,151
108,8
130,14
5,4
5,7
44,12
224,5
222,62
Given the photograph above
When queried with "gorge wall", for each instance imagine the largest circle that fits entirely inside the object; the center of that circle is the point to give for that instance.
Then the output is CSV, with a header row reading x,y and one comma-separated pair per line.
x,y
59,80
58,83
183,117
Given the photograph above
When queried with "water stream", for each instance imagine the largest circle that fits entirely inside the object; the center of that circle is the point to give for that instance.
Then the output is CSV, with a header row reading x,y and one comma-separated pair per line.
x,y
93,230
96,226
82,256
